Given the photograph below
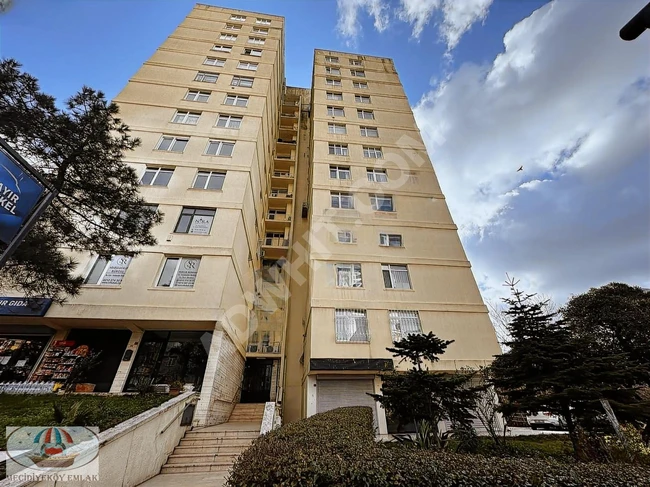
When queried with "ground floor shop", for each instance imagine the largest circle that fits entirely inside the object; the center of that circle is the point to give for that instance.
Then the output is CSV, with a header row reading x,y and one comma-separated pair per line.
x,y
20,350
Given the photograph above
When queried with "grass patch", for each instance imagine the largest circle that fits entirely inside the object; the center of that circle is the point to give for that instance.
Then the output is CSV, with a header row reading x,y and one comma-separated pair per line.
x,y
80,410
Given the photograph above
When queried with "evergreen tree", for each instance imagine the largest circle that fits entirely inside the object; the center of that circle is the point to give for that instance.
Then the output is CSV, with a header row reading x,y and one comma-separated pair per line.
x,y
423,395
79,149
547,368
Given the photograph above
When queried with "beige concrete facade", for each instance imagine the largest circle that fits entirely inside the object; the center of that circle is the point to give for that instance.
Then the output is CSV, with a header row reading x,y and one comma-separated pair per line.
x,y
329,227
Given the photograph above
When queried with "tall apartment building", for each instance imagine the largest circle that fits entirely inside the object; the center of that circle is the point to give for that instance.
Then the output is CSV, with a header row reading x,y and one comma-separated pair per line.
x,y
304,230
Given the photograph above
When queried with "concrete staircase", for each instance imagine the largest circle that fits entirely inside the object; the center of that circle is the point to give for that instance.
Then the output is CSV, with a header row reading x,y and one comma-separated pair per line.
x,y
247,413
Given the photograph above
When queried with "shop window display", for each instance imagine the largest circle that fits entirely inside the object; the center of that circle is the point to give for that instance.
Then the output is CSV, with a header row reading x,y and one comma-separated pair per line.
x,y
18,356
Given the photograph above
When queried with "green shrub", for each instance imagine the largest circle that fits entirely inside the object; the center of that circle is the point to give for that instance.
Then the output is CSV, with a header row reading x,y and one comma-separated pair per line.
x,y
338,448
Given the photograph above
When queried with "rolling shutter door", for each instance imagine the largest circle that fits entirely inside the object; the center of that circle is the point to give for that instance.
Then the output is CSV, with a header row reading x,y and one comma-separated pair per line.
x,y
334,394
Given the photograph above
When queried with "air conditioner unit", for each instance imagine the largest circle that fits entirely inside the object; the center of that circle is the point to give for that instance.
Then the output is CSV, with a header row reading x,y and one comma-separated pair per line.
x,y
268,349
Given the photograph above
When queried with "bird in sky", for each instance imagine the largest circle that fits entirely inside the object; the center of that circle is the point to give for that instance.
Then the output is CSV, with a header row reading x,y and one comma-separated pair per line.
x,y
521,168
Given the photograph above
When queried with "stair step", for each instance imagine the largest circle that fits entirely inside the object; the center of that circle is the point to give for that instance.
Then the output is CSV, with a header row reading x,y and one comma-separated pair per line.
x,y
218,459
216,442
201,449
209,435
192,467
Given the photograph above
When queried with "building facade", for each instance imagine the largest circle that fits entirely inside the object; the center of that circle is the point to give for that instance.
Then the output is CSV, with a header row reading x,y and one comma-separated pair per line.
x,y
304,230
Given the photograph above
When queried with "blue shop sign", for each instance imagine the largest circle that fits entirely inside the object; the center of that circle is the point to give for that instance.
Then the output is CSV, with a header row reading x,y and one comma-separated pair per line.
x,y
19,193
11,306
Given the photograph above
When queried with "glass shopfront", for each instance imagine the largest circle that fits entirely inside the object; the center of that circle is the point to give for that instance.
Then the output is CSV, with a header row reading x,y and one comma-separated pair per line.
x,y
168,356
19,352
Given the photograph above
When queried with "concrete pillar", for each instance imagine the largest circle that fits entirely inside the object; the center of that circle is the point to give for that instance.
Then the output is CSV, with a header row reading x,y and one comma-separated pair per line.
x,y
125,367
381,412
312,395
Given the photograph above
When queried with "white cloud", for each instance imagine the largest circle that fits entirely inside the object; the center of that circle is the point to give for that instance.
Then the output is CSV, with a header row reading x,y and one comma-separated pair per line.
x,y
459,16
349,25
569,101
417,13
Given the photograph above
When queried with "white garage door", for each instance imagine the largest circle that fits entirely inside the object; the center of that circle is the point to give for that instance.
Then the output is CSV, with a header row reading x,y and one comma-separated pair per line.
x,y
334,394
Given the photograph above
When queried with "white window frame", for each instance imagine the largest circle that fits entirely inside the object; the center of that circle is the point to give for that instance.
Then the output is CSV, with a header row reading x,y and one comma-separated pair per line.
x,y
205,77
404,323
336,128
333,71
258,41
337,149
214,61
377,199
263,21
260,30
360,85
247,66
365,114
221,144
253,52
356,62
221,48
396,273
385,239
373,152
219,175
230,121
339,197
376,175
174,141
362,99
345,237
186,118
340,172
331,95
181,261
336,111
156,170
332,59
348,275
227,37
351,326
195,95
359,73
246,80
232,27
333,82
108,264
369,131
239,18
236,99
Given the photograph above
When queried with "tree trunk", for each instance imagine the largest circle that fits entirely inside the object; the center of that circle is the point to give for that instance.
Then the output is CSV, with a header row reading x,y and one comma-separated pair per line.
x,y
573,434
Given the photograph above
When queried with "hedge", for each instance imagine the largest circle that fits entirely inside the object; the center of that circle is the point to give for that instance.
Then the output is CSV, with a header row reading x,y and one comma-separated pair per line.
x,y
338,448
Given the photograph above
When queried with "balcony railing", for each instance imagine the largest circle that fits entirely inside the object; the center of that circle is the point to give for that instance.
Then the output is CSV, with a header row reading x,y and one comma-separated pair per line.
x,y
264,347
280,194
276,242
280,217
282,174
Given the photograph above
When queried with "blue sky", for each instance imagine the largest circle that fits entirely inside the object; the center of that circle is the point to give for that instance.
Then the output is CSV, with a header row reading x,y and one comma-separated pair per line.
x,y
494,84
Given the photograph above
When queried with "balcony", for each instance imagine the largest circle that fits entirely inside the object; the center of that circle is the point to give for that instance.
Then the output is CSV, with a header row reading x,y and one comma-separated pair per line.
x,y
284,152
277,221
263,348
279,196
275,247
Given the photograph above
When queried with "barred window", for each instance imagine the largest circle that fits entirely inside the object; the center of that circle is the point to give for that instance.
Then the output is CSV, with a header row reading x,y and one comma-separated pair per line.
x,y
351,326
404,323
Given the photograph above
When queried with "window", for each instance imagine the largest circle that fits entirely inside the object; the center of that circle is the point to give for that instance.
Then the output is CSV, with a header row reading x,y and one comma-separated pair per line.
x,y
331,59
373,152
232,27
193,95
228,37
263,21
361,85
209,180
403,324
390,240
229,121
247,65
179,272
339,172
336,111
206,77
243,81
381,202
358,73
253,52
336,128
172,144
377,175
334,96
395,276
188,118
256,40
351,325
338,149
214,61
260,30
197,221
236,100
366,114
361,99
345,236
369,132
220,148
348,275
239,18
107,272
335,71
341,200
221,48
156,176
356,62
332,82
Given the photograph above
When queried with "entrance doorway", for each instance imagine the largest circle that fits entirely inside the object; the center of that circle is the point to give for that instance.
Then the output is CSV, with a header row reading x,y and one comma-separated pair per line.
x,y
258,374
